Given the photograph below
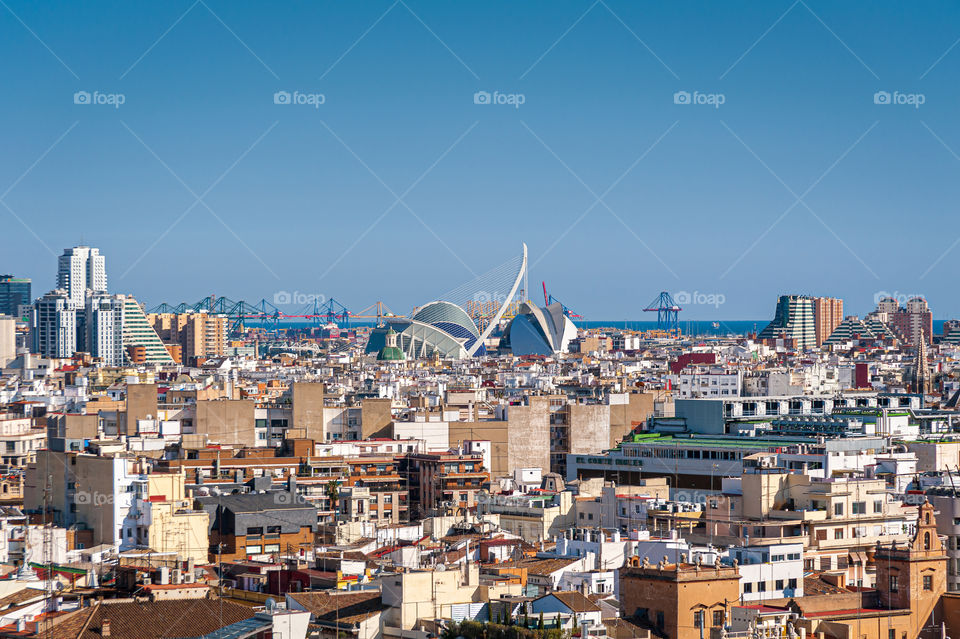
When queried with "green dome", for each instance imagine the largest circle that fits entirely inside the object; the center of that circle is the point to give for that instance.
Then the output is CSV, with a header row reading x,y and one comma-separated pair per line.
x,y
390,354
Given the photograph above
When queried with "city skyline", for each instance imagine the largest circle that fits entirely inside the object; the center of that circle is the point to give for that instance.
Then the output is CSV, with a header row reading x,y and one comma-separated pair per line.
x,y
209,148
69,267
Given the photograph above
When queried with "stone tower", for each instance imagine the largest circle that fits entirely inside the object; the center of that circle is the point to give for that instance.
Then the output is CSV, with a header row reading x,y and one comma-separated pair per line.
x,y
914,576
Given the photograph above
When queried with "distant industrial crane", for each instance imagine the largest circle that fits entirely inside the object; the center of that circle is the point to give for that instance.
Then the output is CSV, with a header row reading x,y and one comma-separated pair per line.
x,y
378,310
550,299
329,311
667,312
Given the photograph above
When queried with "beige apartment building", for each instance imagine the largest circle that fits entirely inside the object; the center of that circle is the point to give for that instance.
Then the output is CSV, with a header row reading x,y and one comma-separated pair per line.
x,y
198,333
168,523
839,520
433,594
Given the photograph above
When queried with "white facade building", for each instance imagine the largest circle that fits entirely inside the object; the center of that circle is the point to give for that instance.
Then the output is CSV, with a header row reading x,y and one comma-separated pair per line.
x,y
80,269
769,572
54,325
104,328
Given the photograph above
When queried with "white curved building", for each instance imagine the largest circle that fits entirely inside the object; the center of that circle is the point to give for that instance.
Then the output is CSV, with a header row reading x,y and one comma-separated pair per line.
x,y
538,331
443,327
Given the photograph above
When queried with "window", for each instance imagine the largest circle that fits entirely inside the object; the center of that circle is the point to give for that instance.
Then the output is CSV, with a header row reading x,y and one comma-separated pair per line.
x,y
747,588
892,634
273,530
928,582
254,530
778,585
791,583
894,587
878,506
838,533
761,586
253,550
718,618
698,619
926,540
858,508
271,548
838,509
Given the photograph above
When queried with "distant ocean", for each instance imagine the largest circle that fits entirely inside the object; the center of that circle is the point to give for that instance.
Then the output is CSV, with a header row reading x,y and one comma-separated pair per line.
x,y
695,328
704,328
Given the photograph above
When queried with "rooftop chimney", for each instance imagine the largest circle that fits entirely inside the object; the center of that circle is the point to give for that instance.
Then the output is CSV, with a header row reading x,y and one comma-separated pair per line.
x,y
105,628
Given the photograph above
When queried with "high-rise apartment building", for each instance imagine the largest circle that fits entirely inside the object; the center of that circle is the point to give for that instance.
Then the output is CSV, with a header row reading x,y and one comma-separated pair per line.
x,y
913,323
142,344
8,340
54,325
794,319
828,314
80,269
104,328
199,334
806,320
14,292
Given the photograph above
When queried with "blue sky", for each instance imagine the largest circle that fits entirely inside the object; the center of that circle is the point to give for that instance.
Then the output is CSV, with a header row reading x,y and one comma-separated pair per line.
x,y
199,183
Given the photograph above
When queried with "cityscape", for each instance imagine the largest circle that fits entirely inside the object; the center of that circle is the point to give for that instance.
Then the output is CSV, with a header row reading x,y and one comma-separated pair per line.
x,y
409,319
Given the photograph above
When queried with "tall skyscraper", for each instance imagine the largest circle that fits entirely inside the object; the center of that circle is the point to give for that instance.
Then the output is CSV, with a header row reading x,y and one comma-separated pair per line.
x,y
140,340
103,326
794,319
14,291
913,323
828,313
80,269
807,320
54,325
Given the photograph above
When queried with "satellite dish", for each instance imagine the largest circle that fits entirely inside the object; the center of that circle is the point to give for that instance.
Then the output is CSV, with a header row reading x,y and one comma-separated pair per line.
x,y
271,604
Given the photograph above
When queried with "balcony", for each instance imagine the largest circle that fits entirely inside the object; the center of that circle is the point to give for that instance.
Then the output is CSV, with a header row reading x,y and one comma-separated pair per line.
x,y
799,515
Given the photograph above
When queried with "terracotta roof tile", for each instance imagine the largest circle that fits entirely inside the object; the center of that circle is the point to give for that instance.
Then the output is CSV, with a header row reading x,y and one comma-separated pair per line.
x,y
152,620
348,608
